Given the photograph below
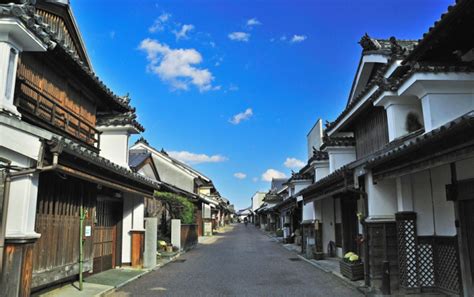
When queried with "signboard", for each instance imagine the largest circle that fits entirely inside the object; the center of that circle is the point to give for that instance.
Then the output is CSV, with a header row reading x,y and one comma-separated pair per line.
x,y
88,231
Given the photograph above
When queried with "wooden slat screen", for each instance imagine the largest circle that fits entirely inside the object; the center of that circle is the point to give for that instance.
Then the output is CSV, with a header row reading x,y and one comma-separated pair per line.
x,y
371,132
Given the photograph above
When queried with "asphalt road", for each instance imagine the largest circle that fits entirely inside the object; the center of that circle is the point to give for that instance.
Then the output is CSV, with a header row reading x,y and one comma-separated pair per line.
x,y
241,262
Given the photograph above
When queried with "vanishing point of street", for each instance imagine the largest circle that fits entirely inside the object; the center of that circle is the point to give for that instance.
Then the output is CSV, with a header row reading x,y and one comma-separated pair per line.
x,y
241,262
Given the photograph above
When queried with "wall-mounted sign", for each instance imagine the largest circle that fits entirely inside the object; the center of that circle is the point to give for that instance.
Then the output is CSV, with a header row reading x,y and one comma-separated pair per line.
x,y
88,231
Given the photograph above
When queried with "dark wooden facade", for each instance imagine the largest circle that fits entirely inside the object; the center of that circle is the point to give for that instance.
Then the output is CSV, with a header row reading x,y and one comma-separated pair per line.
x,y
56,253
371,131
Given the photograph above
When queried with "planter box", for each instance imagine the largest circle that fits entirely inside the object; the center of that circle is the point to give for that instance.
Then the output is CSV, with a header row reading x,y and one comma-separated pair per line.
x,y
352,271
318,255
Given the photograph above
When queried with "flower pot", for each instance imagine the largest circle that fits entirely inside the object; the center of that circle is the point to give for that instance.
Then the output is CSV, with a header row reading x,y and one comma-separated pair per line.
x,y
352,271
169,249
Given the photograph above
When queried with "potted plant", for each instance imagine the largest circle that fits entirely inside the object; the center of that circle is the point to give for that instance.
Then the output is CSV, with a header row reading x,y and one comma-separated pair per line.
x,y
352,267
318,254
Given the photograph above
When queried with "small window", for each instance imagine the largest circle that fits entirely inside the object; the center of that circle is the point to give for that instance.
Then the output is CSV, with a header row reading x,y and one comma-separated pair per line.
x,y
11,69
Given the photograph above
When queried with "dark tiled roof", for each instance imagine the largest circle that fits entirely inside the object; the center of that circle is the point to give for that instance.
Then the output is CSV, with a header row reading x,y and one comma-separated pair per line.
x,y
278,183
142,140
388,47
336,176
318,155
89,156
34,22
119,119
337,141
137,157
466,120
395,49
450,15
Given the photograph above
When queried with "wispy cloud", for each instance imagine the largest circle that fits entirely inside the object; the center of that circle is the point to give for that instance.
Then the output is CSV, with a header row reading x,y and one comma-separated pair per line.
x,y
239,36
158,24
253,22
240,175
183,32
177,66
192,158
298,38
112,34
294,163
243,116
271,174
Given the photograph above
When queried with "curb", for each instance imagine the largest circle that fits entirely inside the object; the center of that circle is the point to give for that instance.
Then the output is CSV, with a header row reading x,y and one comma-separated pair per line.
x,y
348,282
111,290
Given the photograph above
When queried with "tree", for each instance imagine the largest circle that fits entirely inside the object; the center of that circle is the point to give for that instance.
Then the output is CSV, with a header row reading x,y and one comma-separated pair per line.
x,y
178,206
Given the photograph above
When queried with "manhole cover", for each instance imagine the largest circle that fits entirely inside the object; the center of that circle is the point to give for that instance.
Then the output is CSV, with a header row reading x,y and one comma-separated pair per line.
x,y
294,259
179,260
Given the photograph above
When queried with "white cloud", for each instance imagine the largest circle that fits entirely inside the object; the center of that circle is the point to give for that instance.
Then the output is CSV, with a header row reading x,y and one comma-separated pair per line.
x,y
253,22
158,24
283,38
239,36
177,66
298,38
243,116
192,158
271,174
240,175
183,33
255,179
294,163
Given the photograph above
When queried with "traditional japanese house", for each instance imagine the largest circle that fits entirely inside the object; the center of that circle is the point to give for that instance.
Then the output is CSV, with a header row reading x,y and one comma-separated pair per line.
x,y
64,151
409,110
192,184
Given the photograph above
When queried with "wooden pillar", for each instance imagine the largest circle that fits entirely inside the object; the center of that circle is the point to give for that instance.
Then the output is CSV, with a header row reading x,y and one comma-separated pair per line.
x,y
137,248
18,268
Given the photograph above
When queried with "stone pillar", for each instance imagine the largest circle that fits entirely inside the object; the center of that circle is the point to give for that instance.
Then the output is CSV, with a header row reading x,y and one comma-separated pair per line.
x,y
176,233
151,231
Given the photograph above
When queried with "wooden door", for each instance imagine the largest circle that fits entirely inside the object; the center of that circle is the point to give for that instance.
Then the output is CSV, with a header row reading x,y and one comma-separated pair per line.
x,y
106,233
349,224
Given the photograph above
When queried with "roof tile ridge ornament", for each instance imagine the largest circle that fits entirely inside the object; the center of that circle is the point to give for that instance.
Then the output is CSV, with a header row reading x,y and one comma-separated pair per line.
x,y
369,44
142,140
397,50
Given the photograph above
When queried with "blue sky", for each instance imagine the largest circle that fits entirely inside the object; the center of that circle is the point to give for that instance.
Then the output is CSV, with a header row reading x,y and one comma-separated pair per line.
x,y
234,86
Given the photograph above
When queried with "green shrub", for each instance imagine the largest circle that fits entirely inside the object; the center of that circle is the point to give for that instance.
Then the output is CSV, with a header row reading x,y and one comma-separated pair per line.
x,y
178,206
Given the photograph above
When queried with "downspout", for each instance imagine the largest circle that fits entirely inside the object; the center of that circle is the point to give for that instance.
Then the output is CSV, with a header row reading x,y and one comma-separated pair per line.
x,y
365,197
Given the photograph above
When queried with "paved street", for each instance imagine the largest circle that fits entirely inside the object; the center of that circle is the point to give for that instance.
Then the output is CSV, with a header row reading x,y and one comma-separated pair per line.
x,y
241,262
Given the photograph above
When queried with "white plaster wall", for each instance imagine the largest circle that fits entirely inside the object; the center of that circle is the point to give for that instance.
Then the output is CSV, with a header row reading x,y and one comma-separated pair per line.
x,y
382,197
328,222
308,211
257,200
443,209
114,146
465,169
435,215
340,156
23,198
315,137
404,193
173,175
301,185
396,118
422,203
438,109
127,225
321,170
147,171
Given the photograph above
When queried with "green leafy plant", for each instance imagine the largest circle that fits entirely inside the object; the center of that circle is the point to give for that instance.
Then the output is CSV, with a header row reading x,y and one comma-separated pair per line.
x,y
352,258
178,206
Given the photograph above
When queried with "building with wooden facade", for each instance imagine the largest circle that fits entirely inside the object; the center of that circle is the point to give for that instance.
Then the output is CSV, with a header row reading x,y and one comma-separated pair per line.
x,y
400,162
71,200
